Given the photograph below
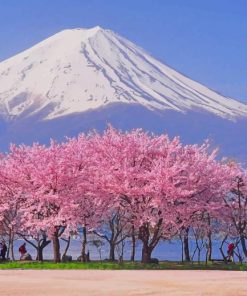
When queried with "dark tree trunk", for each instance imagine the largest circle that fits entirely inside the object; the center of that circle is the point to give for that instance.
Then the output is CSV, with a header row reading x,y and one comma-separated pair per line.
x,y
238,253
84,245
209,244
149,243
39,256
112,252
210,249
56,247
11,245
182,248
243,243
221,249
186,245
41,245
199,256
66,248
133,247
146,253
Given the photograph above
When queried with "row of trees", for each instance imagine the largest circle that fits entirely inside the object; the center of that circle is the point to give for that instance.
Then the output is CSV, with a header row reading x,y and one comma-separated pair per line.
x,y
120,185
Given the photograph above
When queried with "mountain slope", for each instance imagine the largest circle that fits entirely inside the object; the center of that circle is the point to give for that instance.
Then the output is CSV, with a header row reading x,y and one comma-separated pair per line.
x,y
80,70
82,79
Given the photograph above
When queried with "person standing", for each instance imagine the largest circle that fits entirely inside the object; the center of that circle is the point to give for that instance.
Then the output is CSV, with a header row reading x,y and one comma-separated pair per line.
x,y
3,250
230,251
23,250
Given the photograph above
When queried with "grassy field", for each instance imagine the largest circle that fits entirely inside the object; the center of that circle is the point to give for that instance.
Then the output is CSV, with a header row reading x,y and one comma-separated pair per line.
x,y
123,266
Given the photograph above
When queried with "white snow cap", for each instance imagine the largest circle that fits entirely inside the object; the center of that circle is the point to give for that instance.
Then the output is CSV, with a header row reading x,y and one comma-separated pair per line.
x,y
81,69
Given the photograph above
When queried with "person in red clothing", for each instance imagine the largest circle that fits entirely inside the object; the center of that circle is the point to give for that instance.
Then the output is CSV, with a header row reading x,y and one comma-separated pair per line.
x,y
23,249
230,251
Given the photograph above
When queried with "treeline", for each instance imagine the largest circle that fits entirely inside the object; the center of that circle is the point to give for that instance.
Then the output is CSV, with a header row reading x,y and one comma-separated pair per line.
x,y
121,186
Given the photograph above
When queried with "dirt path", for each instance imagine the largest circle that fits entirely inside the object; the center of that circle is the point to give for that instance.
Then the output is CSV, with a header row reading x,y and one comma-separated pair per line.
x,y
121,283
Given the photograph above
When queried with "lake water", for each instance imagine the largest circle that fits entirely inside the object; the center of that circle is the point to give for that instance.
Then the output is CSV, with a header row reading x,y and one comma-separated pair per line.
x,y
164,251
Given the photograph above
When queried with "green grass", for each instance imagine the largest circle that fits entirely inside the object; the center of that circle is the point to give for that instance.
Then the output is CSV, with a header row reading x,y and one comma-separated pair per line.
x,y
122,266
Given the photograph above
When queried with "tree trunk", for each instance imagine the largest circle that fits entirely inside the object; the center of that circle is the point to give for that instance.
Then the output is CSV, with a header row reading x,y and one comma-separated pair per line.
x,y
56,248
199,256
12,250
41,247
238,253
11,245
182,248
243,243
133,247
186,245
209,251
146,253
149,243
84,245
112,252
66,248
221,249
39,256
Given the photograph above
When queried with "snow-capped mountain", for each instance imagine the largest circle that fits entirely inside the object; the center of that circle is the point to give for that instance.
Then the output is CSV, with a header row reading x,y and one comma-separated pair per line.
x,y
84,69
81,79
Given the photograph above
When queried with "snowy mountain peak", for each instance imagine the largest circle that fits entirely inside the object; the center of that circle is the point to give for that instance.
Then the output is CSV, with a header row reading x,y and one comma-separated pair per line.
x,y
76,34
78,70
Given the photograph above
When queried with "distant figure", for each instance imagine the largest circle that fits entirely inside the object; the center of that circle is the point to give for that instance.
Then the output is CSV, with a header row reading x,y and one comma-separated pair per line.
x,y
230,251
23,249
25,256
1,247
88,257
3,250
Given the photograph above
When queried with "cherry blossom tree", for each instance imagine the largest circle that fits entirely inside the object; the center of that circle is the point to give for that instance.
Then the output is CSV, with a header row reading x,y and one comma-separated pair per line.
x,y
91,201
132,161
234,206
42,175
155,186
160,182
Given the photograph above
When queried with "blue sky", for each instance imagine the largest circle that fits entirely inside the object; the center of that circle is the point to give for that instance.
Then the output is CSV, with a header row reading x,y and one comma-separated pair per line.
x,y
204,39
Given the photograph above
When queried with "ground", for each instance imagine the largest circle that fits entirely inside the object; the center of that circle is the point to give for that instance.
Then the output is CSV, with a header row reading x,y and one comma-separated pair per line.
x,y
122,282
